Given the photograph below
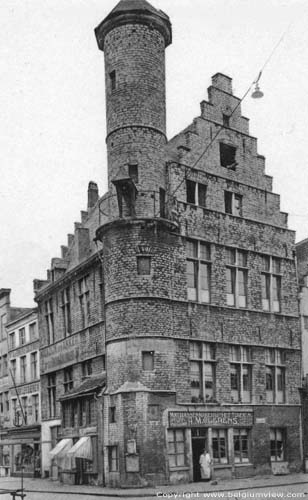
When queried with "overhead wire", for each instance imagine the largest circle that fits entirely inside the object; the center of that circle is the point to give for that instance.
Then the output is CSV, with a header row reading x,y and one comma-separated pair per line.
x,y
255,81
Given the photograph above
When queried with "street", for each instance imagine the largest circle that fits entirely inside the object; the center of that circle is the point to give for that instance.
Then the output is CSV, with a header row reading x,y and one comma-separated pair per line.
x,y
293,491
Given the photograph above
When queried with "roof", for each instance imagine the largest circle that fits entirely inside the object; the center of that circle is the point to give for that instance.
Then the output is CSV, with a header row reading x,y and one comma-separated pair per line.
x,y
91,384
18,313
140,5
131,12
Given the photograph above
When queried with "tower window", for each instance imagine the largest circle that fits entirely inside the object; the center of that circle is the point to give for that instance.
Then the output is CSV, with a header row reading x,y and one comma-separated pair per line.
x,y
133,173
112,77
227,155
148,360
144,265
226,120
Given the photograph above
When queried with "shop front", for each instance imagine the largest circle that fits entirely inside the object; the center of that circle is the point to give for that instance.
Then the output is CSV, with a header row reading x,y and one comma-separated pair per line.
x,y
25,452
240,443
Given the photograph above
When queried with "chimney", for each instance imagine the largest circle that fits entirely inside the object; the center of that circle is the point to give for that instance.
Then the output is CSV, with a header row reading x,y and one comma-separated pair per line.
x,y
92,194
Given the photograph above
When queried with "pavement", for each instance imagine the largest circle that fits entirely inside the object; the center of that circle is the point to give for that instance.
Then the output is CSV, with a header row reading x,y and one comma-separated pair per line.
x,y
47,486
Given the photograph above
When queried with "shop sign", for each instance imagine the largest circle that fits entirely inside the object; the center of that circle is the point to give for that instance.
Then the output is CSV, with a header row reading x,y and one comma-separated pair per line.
x,y
209,419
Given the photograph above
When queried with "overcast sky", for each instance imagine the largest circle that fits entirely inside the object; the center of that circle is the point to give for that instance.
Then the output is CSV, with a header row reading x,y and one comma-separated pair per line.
x,y
52,109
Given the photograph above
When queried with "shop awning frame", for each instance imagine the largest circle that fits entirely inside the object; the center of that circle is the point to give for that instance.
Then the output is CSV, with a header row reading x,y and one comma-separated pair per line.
x,y
82,449
61,448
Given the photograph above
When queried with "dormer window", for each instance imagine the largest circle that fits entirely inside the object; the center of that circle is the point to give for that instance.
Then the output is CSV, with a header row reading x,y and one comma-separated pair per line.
x,y
227,156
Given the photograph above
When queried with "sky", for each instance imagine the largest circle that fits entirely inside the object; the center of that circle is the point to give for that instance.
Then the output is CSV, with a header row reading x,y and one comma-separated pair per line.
x,y
52,109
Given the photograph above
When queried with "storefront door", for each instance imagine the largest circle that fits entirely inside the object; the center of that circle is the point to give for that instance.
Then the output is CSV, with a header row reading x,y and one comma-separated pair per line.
x,y
199,441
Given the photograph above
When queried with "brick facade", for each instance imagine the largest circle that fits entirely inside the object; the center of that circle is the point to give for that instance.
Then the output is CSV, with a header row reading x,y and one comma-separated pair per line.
x,y
187,298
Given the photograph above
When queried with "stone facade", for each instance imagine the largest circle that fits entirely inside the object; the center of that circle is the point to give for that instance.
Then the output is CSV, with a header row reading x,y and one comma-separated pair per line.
x,y
186,302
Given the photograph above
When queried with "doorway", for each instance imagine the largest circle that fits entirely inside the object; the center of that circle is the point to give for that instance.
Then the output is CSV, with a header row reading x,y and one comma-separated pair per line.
x,y
199,438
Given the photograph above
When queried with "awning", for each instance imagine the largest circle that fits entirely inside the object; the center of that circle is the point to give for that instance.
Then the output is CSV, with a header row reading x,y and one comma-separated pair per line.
x,y
82,449
61,448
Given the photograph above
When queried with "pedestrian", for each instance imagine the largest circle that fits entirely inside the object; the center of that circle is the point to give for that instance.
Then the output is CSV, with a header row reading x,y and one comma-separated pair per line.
x,y
205,462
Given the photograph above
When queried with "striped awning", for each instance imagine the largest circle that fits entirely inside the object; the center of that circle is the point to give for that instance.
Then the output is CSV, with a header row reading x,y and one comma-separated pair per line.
x,y
82,449
61,448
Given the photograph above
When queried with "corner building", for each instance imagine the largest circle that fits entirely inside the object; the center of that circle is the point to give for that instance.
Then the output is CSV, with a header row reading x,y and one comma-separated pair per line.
x,y
187,303
202,333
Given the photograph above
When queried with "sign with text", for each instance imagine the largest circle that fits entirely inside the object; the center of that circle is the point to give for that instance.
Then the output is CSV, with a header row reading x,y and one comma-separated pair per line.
x,y
210,418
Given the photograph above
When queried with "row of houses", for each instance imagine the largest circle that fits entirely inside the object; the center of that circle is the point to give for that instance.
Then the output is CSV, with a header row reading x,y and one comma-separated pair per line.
x,y
170,322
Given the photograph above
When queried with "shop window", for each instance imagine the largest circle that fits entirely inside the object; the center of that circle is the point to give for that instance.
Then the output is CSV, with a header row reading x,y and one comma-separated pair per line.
x,y
33,331
33,361
66,311
143,265
23,369
22,336
51,391
48,313
68,383
233,203
133,173
198,270
84,300
271,283
275,375
227,154
12,340
148,360
277,442
241,445
113,458
236,277
219,446
196,193
176,447
240,374
202,372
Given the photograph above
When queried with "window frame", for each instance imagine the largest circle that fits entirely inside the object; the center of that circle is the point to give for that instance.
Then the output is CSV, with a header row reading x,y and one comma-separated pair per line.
x,y
240,360
113,461
52,394
148,355
230,203
242,432
196,193
34,365
270,274
220,459
176,448
276,366
237,268
144,270
202,354
275,431
227,150
198,266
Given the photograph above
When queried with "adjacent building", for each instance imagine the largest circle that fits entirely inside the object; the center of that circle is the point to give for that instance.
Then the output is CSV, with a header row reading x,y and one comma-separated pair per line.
x,y
10,316
170,323
24,432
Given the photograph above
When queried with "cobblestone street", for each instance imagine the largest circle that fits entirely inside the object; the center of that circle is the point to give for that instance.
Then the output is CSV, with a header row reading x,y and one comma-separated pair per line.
x,y
293,486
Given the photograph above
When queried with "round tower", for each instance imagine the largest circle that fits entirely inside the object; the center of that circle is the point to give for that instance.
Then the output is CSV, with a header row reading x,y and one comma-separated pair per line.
x,y
134,37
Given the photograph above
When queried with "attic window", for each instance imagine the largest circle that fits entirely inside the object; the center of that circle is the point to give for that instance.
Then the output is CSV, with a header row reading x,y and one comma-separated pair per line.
x,y
226,120
227,156
112,77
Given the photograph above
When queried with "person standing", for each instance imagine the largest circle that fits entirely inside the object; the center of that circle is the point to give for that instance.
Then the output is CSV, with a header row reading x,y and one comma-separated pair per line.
x,y
205,462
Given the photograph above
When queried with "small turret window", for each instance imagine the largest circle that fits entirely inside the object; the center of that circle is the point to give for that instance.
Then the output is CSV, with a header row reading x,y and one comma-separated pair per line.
x,y
133,172
144,265
113,81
